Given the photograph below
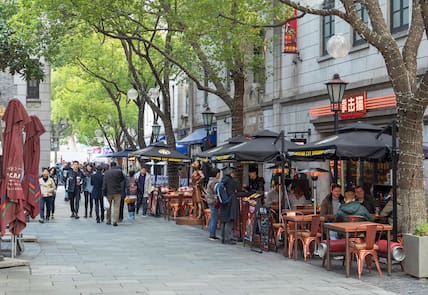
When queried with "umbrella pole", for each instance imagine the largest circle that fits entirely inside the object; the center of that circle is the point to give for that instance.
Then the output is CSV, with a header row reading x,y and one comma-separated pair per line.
x,y
314,194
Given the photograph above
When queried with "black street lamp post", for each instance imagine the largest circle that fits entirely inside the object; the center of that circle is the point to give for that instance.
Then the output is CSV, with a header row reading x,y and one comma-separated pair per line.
x,y
208,117
336,90
155,130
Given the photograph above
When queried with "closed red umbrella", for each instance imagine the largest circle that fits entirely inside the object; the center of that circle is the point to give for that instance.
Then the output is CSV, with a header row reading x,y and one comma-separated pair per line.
x,y
12,195
30,183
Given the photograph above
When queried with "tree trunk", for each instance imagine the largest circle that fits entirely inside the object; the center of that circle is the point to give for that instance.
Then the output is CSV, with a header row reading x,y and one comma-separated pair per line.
x,y
238,106
140,126
411,194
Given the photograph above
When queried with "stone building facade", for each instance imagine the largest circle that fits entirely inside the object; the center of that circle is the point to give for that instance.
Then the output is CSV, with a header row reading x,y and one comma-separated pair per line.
x,y
36,97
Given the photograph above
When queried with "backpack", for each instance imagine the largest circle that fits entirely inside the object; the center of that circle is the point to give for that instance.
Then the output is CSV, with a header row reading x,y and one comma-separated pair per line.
x,y
221,194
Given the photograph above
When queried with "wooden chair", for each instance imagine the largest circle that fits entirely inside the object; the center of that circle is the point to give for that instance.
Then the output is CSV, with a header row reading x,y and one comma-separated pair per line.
x,y
364,250
311,235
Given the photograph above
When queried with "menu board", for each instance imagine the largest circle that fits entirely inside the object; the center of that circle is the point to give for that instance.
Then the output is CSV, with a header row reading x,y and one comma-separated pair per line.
x,y
264,228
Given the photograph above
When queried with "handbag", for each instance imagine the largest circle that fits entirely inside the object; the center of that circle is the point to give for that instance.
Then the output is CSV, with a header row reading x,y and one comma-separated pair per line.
x,y
106,203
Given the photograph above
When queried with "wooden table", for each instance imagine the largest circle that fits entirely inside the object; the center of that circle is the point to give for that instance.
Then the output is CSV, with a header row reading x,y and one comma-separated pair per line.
x,y
355,227
178,198
298,220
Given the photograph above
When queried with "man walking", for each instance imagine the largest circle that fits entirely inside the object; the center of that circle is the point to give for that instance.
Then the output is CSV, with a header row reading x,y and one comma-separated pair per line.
x,y
144,187
97,193
113,185
74,183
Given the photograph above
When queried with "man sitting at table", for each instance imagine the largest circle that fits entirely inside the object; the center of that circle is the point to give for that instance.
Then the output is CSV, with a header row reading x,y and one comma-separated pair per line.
x,y
365,199
352,207
331,202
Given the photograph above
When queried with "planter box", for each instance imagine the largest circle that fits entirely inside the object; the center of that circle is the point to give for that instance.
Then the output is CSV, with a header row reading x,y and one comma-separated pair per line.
x,y
416,262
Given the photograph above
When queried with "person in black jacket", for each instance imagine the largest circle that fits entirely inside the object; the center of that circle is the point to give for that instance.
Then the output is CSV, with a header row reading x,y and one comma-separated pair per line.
x,y
74,182
97,193
229,212
113,185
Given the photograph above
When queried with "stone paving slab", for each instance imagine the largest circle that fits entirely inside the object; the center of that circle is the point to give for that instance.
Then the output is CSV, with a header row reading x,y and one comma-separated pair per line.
x,y
154,257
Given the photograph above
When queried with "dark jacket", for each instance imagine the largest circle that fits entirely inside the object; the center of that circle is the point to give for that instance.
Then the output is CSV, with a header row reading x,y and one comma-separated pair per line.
x,y
327,205
369,203
352,208
113,182
74,181
97,182
230,211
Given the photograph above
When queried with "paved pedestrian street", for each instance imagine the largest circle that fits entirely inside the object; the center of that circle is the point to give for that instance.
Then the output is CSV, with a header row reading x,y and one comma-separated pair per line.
x,y
153,256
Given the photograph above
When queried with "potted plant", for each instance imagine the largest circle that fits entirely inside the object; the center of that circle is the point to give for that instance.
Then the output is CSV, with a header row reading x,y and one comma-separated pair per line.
x,y
415,247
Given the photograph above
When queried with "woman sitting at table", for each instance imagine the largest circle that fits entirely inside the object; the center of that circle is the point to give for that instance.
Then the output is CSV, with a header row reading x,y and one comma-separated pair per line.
x,y
296,196
352,207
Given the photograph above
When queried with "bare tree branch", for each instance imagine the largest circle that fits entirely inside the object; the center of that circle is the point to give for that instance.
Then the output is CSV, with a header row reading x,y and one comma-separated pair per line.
x,y
411,47
199,85
116,102
322,12
276,25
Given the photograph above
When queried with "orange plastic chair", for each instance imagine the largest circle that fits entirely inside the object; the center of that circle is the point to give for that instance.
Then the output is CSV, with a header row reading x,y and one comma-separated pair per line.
x,y
365,249
313,235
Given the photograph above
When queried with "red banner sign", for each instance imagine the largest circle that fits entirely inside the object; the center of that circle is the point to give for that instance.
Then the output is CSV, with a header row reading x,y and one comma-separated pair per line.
x,y
353,105
290,35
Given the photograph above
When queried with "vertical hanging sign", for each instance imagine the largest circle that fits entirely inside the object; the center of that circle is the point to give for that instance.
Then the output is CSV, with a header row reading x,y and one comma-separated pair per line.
x,y
290,35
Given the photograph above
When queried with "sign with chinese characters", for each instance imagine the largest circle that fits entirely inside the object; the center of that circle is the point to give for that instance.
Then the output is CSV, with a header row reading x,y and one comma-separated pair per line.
x,y
290,35
353,105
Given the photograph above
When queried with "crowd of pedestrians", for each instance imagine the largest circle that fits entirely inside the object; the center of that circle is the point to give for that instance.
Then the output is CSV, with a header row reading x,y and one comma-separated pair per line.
x,y
104,188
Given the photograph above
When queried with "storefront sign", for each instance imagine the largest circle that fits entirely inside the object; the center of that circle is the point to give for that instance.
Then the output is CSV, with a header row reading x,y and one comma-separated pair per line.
x,y
290,35
353,105
308,153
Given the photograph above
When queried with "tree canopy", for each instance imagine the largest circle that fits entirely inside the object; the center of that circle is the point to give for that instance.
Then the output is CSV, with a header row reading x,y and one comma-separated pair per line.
x,y
18,55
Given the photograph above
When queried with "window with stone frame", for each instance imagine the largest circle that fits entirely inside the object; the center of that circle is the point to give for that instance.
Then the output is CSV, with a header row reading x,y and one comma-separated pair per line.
x,y
33,89
362,12
327,26
399,15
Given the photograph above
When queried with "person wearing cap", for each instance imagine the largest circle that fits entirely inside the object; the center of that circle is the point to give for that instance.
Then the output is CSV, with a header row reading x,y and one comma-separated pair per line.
x,y
229,212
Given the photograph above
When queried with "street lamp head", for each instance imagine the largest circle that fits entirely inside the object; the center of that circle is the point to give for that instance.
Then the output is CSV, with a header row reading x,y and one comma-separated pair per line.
x,y
207,117
156,130
132,94
338,46
153,93
336,90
